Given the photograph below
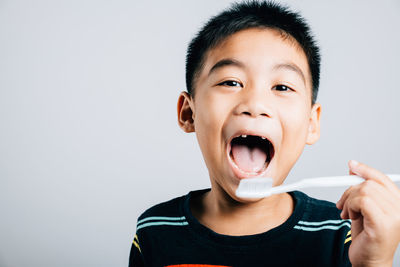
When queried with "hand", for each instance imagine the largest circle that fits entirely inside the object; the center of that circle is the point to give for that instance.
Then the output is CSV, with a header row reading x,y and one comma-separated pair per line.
x,y
374,208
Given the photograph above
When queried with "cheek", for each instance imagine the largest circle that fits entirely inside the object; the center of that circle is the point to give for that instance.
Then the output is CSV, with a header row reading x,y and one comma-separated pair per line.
x,y
207,116
295,129
209,119
212,109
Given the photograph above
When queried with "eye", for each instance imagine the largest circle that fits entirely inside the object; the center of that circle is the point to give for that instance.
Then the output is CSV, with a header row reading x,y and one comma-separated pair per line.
x,y
282,88
231,83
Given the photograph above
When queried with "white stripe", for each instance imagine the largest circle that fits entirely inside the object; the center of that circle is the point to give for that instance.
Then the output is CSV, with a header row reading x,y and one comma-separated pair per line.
x,y
161,218
323,222
313,229
162,223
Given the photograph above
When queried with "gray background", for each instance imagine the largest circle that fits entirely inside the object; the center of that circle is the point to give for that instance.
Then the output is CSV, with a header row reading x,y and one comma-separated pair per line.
x,y
88,131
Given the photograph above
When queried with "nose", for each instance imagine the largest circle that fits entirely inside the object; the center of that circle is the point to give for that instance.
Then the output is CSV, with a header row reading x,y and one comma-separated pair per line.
x,y
254,104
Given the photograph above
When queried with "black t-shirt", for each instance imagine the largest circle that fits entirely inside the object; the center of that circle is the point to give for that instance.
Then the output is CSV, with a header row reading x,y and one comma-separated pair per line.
x,y
169,235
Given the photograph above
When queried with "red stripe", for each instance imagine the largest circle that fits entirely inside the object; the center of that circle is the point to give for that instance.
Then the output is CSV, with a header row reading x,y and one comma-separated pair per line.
x,y
196,265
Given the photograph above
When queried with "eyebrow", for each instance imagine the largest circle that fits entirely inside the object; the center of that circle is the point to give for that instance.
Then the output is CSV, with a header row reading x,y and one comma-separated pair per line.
x,y
290,67
226,62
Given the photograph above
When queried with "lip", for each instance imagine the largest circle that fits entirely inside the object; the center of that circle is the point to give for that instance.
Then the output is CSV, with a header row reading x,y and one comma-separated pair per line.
x,y
238,172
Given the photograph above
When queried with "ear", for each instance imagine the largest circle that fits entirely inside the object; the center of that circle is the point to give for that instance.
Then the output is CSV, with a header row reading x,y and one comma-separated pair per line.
x,y
185,110
314,124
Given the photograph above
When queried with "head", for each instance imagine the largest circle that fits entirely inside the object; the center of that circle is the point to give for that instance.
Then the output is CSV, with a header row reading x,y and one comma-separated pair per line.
x,y
252,76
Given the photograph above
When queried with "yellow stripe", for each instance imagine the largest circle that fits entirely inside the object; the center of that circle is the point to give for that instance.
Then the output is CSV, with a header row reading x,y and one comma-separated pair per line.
x,y
349,233
137,243
347,240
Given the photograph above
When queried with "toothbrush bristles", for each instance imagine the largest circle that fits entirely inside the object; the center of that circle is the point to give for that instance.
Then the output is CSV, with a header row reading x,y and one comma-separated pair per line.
x,y
254,187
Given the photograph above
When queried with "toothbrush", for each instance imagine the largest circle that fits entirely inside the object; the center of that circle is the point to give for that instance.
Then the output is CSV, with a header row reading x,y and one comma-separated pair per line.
x,y
261,187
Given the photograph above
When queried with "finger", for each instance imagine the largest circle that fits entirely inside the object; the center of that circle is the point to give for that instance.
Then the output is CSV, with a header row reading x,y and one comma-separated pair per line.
x,y
356,227
367,172
350,193
370,173
350,172
378,193
364,206
345,214
365,216
344,197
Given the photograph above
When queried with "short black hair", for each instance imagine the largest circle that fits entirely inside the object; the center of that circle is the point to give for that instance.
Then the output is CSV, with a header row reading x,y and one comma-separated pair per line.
x,y
252,14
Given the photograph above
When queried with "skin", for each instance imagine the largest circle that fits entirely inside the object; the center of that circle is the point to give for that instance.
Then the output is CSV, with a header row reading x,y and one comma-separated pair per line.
x,y
373,206
265,92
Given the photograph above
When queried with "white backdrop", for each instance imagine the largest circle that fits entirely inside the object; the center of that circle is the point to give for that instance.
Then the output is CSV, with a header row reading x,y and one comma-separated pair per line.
x,y
88,131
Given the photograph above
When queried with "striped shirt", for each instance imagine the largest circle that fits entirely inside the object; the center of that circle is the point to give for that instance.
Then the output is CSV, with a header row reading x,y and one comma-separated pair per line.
x,y
169,235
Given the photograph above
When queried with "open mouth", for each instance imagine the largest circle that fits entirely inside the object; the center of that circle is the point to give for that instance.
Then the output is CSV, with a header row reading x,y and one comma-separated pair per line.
x,y
251,154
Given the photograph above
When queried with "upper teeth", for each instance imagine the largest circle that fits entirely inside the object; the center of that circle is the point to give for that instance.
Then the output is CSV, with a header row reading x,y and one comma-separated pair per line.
x,y
245,135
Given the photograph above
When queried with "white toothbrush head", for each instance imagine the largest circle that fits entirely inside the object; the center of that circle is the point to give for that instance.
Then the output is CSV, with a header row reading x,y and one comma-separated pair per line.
x,y
258,187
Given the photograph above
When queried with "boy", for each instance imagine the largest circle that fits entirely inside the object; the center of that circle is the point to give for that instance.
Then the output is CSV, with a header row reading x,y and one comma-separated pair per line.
x,y
252,77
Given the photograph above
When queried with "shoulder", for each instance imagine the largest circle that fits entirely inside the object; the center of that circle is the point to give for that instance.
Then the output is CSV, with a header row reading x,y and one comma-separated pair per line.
x,y
317,208
321,216
168,212
157,224
167,208
322,230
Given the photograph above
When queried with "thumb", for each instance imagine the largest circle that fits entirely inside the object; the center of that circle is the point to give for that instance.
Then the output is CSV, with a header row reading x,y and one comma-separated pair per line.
x,y
353,165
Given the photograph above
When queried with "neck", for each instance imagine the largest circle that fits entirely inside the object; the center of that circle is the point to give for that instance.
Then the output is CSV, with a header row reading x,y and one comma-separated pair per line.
x,y
220,212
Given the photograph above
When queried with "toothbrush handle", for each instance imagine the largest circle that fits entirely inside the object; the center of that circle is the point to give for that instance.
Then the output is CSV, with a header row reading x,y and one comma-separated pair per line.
x,y
333,181
287,188
347,180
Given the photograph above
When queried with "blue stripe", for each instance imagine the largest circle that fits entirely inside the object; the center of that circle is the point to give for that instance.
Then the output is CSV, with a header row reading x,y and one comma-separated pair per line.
x,y
161,218
323,222
330,227
162,223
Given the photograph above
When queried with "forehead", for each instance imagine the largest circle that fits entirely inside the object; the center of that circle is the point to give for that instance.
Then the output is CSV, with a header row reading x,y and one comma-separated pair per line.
x,y
260,49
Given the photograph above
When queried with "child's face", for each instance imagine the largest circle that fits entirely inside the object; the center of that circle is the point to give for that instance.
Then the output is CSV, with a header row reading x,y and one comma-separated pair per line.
x,y
260,87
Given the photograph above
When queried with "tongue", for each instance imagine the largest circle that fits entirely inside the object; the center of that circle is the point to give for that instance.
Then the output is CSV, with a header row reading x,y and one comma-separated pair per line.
x,y
248,159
